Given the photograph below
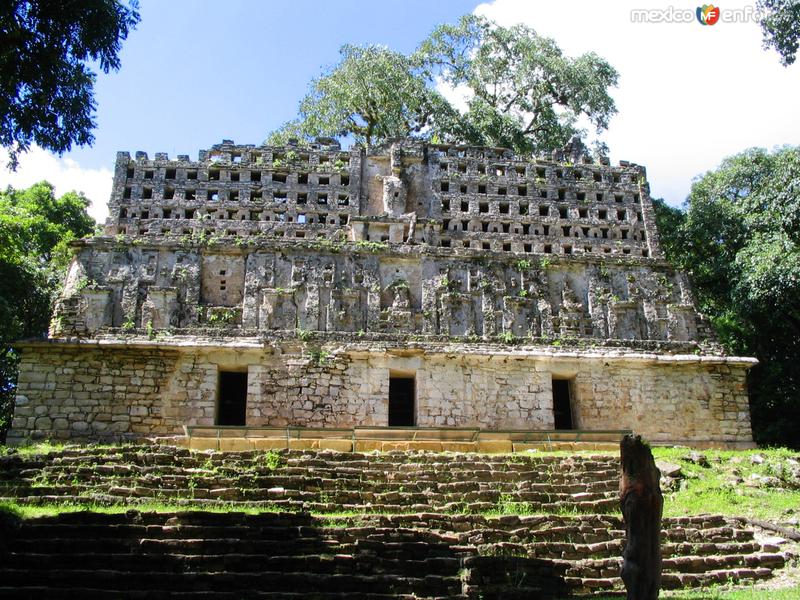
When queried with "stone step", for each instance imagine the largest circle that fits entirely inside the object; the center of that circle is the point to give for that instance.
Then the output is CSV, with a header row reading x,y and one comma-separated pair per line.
x,y
80,593
84,593
673,581
332,505
362,554
446,566
460,480
704,564
397,462
109,579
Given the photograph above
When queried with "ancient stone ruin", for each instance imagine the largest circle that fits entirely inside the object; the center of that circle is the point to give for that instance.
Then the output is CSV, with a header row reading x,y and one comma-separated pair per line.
x,y
411,284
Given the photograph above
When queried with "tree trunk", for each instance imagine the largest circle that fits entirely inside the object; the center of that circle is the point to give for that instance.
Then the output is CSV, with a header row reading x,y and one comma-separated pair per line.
x,y
641,503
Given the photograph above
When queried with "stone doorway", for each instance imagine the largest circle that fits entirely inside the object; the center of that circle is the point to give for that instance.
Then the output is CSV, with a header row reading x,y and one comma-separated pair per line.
x,y
401,401
562,404
232,400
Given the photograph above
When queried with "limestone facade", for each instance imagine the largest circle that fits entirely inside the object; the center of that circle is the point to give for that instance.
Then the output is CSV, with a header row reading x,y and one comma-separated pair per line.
x,y
323,277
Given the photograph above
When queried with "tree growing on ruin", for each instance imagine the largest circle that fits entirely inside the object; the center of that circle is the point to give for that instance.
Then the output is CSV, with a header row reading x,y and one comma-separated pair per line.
x,y
522,91
372,94
35,230
740,243
46,84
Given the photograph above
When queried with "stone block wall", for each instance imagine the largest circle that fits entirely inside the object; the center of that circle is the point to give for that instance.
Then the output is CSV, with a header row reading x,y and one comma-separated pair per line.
x,y
83,391
68,392
665,401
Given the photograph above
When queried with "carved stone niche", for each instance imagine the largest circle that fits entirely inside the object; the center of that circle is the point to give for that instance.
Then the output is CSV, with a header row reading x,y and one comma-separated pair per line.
x,y
394,196
657,317
87,311
160,309
396,302
455,316
344,311
278,310
97,309
625,321
572,316
222,280
518,316
681,322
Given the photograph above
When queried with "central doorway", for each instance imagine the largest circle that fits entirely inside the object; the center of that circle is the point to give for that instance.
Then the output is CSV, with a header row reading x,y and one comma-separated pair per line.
x,y
562,404
232,401
401,401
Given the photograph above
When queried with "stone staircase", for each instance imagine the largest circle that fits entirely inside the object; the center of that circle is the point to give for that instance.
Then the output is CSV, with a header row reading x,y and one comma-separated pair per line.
x,y
417,526
393,482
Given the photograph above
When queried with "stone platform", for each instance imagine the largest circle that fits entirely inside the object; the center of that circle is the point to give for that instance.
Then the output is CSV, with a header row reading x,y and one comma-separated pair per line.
x,y
384,439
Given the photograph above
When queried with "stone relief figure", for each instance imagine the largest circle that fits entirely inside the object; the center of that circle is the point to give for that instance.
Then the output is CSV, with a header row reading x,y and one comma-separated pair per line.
x,y
398,315
571,313
159,309
328,273
599,297
394,196
370,283
299,273
569,300
401,301
345,312
412,227
279,310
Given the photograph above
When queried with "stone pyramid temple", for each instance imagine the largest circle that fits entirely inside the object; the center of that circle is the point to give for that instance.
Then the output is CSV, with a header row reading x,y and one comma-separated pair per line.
x,y
406,285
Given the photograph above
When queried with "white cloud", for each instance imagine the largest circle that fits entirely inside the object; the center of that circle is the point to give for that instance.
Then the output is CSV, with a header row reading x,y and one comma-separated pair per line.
x,y
65,174
688,96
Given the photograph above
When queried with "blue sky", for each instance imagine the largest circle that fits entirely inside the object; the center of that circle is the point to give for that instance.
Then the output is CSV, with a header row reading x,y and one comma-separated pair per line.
x,y
196,71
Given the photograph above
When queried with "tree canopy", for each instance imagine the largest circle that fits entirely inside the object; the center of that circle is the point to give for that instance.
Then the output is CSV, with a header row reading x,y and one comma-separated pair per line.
x,y
739,240
523,92
372,94
46,85
35,231
780,25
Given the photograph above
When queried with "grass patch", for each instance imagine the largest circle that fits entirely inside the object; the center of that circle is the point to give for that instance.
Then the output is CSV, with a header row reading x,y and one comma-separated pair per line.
x,y
719,593
728,485
792,593
50,447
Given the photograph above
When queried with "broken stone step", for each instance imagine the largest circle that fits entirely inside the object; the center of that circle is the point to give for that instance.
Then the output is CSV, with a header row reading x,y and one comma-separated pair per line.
x,y
703,564
703,548
671,581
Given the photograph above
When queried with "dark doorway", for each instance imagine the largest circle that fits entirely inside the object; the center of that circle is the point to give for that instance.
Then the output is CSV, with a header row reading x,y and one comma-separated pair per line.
x,y
232,398
562,409
401,401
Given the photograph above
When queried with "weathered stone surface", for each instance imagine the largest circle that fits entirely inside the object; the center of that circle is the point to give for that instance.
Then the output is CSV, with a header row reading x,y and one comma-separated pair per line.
x,y
322,273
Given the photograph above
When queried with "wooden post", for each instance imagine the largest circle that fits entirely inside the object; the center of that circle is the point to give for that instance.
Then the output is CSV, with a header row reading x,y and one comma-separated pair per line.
x,y
641,503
